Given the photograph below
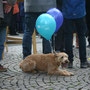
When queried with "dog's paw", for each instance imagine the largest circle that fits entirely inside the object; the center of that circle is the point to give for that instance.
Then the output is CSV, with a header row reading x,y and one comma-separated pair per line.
x,y
66,73
71,74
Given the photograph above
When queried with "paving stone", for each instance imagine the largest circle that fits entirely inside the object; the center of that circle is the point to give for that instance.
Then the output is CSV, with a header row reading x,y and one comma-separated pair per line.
x,y
16,79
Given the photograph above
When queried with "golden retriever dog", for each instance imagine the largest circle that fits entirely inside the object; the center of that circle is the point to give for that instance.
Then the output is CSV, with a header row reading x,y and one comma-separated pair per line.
x,y
46,62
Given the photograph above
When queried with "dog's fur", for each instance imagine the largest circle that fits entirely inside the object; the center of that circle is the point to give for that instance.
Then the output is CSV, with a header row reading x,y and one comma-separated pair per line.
x,y
46,62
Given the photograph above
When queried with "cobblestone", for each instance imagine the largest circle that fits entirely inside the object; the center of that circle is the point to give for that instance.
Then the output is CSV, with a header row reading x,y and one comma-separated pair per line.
x,y
15,79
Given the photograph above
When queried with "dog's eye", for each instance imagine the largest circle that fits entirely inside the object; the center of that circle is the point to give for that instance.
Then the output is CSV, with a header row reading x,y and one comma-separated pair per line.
x,y
61,57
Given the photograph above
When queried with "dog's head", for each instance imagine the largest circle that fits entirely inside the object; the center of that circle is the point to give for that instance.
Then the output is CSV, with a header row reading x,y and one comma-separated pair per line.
x,y
62,59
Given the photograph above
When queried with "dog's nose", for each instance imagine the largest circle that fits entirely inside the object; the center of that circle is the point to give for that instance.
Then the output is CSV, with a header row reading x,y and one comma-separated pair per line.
x,y
66,61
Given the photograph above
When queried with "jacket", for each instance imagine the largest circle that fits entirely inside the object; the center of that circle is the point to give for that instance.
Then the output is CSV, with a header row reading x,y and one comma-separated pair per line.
x,y
73,9
11,2
38,5
15,9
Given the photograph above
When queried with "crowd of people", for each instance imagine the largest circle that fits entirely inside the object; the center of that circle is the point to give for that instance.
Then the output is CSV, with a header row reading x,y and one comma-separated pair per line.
x,y
21,17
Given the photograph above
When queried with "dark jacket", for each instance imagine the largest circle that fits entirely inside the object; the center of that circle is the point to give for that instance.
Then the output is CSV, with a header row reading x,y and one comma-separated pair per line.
x,y
73,9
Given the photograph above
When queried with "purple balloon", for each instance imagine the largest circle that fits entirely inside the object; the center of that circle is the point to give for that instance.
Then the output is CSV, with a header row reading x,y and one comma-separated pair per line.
x,y
58,16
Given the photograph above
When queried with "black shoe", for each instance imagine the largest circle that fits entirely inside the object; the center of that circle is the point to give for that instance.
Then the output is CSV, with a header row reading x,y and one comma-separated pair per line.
x,y
70,65
84,65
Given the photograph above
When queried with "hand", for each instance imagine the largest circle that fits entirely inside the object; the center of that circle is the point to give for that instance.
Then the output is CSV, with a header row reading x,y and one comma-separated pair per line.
x,y
7,8
5,2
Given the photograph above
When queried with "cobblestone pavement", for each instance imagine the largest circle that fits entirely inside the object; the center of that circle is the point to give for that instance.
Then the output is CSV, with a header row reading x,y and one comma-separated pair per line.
x,y
15,79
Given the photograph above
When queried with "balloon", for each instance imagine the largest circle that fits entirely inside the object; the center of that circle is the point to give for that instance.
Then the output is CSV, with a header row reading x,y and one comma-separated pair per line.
x,y
58,16
46,25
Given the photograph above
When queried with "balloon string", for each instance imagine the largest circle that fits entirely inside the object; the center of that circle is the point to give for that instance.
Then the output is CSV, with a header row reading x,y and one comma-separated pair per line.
x,y
52,43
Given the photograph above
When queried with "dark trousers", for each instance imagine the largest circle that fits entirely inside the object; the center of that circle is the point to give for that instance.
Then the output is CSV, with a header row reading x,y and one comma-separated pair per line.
x,y
30,20
80,26
88,27
59,40
13,24
88,19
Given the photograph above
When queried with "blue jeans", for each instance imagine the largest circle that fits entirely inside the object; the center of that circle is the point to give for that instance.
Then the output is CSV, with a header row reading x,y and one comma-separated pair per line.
x,y
2,40
30,19
22,23
80,26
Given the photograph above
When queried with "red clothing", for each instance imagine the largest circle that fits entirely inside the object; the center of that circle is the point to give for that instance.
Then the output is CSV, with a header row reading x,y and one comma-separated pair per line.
x,y
15,9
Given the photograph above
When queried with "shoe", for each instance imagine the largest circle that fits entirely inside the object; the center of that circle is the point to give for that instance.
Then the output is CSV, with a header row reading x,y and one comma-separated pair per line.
x,y
70,65
84,65
88,64
2,69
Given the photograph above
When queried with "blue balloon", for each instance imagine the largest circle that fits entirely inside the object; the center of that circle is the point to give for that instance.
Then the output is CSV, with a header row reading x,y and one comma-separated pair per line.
x,y
46,25
58,16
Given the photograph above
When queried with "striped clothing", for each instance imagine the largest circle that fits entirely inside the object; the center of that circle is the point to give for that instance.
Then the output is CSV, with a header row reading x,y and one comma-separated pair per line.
x,y
38,5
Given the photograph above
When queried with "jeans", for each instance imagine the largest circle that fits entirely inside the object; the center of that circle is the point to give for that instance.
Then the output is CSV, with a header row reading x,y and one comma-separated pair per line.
x,y
30,19
2,40
22,23
80,26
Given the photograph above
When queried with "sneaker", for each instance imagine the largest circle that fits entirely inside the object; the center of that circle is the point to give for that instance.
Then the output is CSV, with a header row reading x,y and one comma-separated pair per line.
x,y
2,69
70,65
88,64
84,65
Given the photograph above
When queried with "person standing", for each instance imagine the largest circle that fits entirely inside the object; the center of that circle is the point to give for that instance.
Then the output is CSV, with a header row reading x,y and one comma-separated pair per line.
x,y
59,39
21,15
13,22
74,12
5,7
33,8
88,21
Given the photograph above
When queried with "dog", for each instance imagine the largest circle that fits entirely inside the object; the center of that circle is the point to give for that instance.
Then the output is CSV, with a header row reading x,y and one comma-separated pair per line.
x,y
47,63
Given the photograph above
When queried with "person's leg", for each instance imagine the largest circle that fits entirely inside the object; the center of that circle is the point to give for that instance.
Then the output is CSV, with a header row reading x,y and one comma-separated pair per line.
x,y
59,40
81,30
88,22
88,34
12,26
2,40
77,42
89,38
68,33
27,38
46,46
22,23
30,19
